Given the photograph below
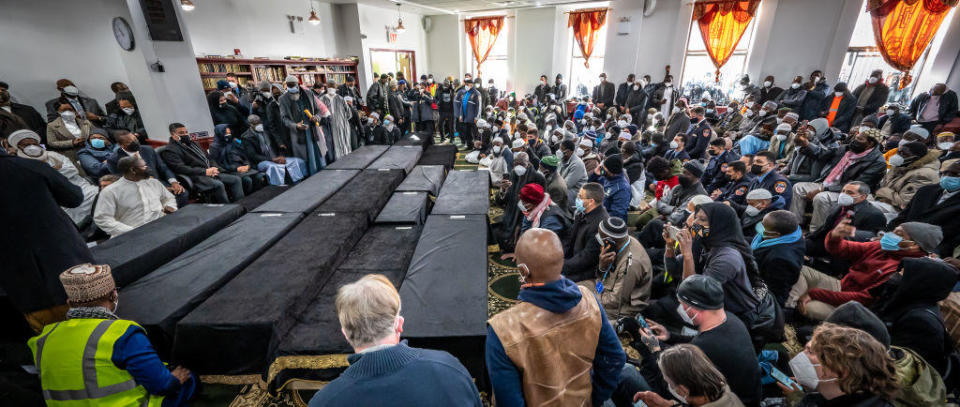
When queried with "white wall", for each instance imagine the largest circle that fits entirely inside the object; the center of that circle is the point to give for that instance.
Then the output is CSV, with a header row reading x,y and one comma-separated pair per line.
x,y
444,42
533,40
40,46
261,28
373,24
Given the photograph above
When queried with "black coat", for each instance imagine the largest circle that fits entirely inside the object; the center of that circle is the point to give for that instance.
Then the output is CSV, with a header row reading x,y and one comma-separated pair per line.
x,y
354,92
274,127
230,116
250,146
869,169
696,142
780,267
32,118
39,241
866,218
924,208
581,250
877,98
898,125
845,111
622,91
771,93
155,166
604,93
183,160
636,104
948,106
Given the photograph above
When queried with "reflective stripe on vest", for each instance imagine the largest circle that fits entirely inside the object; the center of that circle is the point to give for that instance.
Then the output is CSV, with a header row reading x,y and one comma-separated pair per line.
x,y
91,390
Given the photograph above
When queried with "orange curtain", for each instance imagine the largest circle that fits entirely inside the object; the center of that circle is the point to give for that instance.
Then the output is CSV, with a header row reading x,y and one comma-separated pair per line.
x,y
904,28
483,33
722,23
586,24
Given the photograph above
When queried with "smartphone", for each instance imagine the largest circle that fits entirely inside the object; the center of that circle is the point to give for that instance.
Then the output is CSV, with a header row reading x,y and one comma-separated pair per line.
x,y
672,231
643,322
608,244
782,378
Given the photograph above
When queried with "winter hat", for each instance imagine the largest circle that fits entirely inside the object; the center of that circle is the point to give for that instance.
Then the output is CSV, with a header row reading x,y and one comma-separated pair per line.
x,y
920,131
531,193
819,125
916,148
614,227
770,105
700,291
759,194
16,137
87,282
783,127
550,161
874,135
613,164
927,236
694,167
854,315
518,143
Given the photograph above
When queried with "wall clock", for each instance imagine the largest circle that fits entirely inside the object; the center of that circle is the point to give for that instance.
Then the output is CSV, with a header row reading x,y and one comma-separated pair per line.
x,y
123,33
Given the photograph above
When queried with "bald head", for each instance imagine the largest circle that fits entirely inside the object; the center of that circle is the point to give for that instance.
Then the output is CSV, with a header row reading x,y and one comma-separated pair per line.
x,y
541,251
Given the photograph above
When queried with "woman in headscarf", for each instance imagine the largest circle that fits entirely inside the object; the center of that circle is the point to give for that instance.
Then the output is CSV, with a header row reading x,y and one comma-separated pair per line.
x,y
224,113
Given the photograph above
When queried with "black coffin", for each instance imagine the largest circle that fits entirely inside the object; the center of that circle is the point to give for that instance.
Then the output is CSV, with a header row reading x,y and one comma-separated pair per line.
x,y
368,192
439,154
160,299
426,178
402,157
254,200
309,193
358,159
408,208
464,193
138,252
262,303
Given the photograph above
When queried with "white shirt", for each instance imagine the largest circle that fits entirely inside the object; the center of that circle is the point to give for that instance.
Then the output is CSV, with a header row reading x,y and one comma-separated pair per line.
x,y
8,108
126,205
73,128
667,106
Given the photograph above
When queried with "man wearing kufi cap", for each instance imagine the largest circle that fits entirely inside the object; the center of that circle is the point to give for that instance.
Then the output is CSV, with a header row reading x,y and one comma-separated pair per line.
x,y
556,185
624,274
96,358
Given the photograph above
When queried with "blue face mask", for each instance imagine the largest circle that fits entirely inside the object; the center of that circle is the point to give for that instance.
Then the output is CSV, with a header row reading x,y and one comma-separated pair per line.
x,y
578,204
890,242
950,184
97,143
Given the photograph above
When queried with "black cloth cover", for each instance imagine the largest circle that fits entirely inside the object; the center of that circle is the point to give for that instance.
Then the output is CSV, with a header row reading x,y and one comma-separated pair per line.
x,y
309,193
405,208
384,250
263,302
427,178
420,141
367,193
138,252
358,159
445,291
404,157
254,200
464,193
439,154
160,299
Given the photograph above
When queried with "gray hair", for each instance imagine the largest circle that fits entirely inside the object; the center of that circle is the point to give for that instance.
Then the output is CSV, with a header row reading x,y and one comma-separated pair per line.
x,y
367,310
253,117
862,187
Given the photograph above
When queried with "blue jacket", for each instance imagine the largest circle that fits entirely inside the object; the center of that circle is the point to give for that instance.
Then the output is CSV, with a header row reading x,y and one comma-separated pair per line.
x,y
133,353
616,194
158,169
775,183
751,144
400,376
92,160
716,166
472,104
557,297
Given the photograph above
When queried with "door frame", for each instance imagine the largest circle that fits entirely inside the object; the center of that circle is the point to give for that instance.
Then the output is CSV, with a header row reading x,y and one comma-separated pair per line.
x,y
412,53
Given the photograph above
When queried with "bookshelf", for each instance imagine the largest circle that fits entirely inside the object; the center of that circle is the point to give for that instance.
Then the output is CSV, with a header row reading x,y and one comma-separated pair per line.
x,y
309,70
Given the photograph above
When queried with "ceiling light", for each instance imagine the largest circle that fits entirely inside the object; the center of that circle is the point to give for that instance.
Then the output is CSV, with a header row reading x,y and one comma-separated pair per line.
x,y
313,18
187,5
400,29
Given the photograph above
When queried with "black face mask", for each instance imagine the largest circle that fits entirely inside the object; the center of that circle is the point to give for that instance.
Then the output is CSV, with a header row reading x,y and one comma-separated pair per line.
x,y
857,147
756,169
133,147
685,182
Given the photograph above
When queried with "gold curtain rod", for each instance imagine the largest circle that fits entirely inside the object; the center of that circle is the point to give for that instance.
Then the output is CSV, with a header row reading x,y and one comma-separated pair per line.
x,y
588,10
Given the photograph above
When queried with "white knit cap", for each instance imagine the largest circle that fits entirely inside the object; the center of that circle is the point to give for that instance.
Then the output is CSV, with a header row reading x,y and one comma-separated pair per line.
x,y
759,193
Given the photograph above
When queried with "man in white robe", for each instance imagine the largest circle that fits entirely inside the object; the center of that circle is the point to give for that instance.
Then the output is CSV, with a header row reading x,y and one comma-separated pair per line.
x,y
339,124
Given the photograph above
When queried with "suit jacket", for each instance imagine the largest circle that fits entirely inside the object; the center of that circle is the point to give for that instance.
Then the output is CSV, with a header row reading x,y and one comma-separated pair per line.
x,y
604,93
866,217
678,123
948,106
157,168
622,91
60,139
32,118
877,98
924,208
182,158
89,104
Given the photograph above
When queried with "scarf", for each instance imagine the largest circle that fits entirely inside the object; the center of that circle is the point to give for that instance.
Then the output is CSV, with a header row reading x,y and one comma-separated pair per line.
x,y
662,185
848,159
534,215
758,241
90,313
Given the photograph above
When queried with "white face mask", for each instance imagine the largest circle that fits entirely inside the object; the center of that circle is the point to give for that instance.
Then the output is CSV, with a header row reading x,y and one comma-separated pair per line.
x,y
838,94
674,145
554,139
579,153
331,91
33,150
751,211
780,137
621,123
896,160
233,84
258,128
266,95
129,110
795,86
872,80
945,145
68,115
845,200
762,113
668,84
636,87
767,84
519,170
806,372
675,394
683,315
889,112
748,113
496,149
522,208
750,105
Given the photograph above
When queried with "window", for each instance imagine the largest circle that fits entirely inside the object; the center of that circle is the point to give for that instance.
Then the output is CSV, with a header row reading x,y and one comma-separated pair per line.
x,y
387,60
864,57
496,66
583,79
699,73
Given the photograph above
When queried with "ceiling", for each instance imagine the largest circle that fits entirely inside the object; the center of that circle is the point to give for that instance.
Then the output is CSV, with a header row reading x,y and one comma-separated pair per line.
x,y
429,7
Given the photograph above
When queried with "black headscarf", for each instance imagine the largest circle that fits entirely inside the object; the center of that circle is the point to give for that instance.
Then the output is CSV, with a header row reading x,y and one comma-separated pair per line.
x,y
725,231
924,282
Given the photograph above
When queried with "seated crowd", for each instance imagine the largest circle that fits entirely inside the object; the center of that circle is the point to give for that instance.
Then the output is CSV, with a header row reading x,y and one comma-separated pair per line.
x,y
702,236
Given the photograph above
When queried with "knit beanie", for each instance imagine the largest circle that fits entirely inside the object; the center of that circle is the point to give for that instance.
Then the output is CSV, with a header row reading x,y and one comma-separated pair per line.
x,y
700,291
614,227
694,167
613,164
87,282
550,161
927,236
531,193
920,131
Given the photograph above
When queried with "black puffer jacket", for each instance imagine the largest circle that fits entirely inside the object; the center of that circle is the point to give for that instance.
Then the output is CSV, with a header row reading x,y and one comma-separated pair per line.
x,y
870,170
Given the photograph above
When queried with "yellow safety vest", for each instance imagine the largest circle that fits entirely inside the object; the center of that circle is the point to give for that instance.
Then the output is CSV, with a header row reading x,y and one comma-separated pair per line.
x,y
74,358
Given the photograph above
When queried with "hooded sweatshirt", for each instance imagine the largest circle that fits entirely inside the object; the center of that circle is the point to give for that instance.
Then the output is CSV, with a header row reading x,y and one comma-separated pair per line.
x,y
556,297
870,266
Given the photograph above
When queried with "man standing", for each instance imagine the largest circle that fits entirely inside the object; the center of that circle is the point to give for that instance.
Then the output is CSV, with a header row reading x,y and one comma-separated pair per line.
x,y
466,108
934,108
769,91
383,369
27,113
604,93
339,120
185,157
30,205
445,98
377,96
543,89
870,96
560,90
622,91
556,345
96,358
134,200
85,107
300,115
350,88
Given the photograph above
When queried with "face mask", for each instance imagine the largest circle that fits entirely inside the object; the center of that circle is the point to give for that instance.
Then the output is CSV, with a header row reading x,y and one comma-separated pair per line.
x,y
578,204
668,84
495,129
68,115
700,231
762,113
890,242
857,147
756,169
71,91
258,128
293,89
751,211
129,110
579,153
845,200
266,95
838,94
331,91
636,87
33,150
872,80
889,112
767,84
709,110
233,84
676,395
896,160
522,208
97,143
795,86
780,137
621,123
949,183
133,147
748,114
519,170
805,371
674,145
683,315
